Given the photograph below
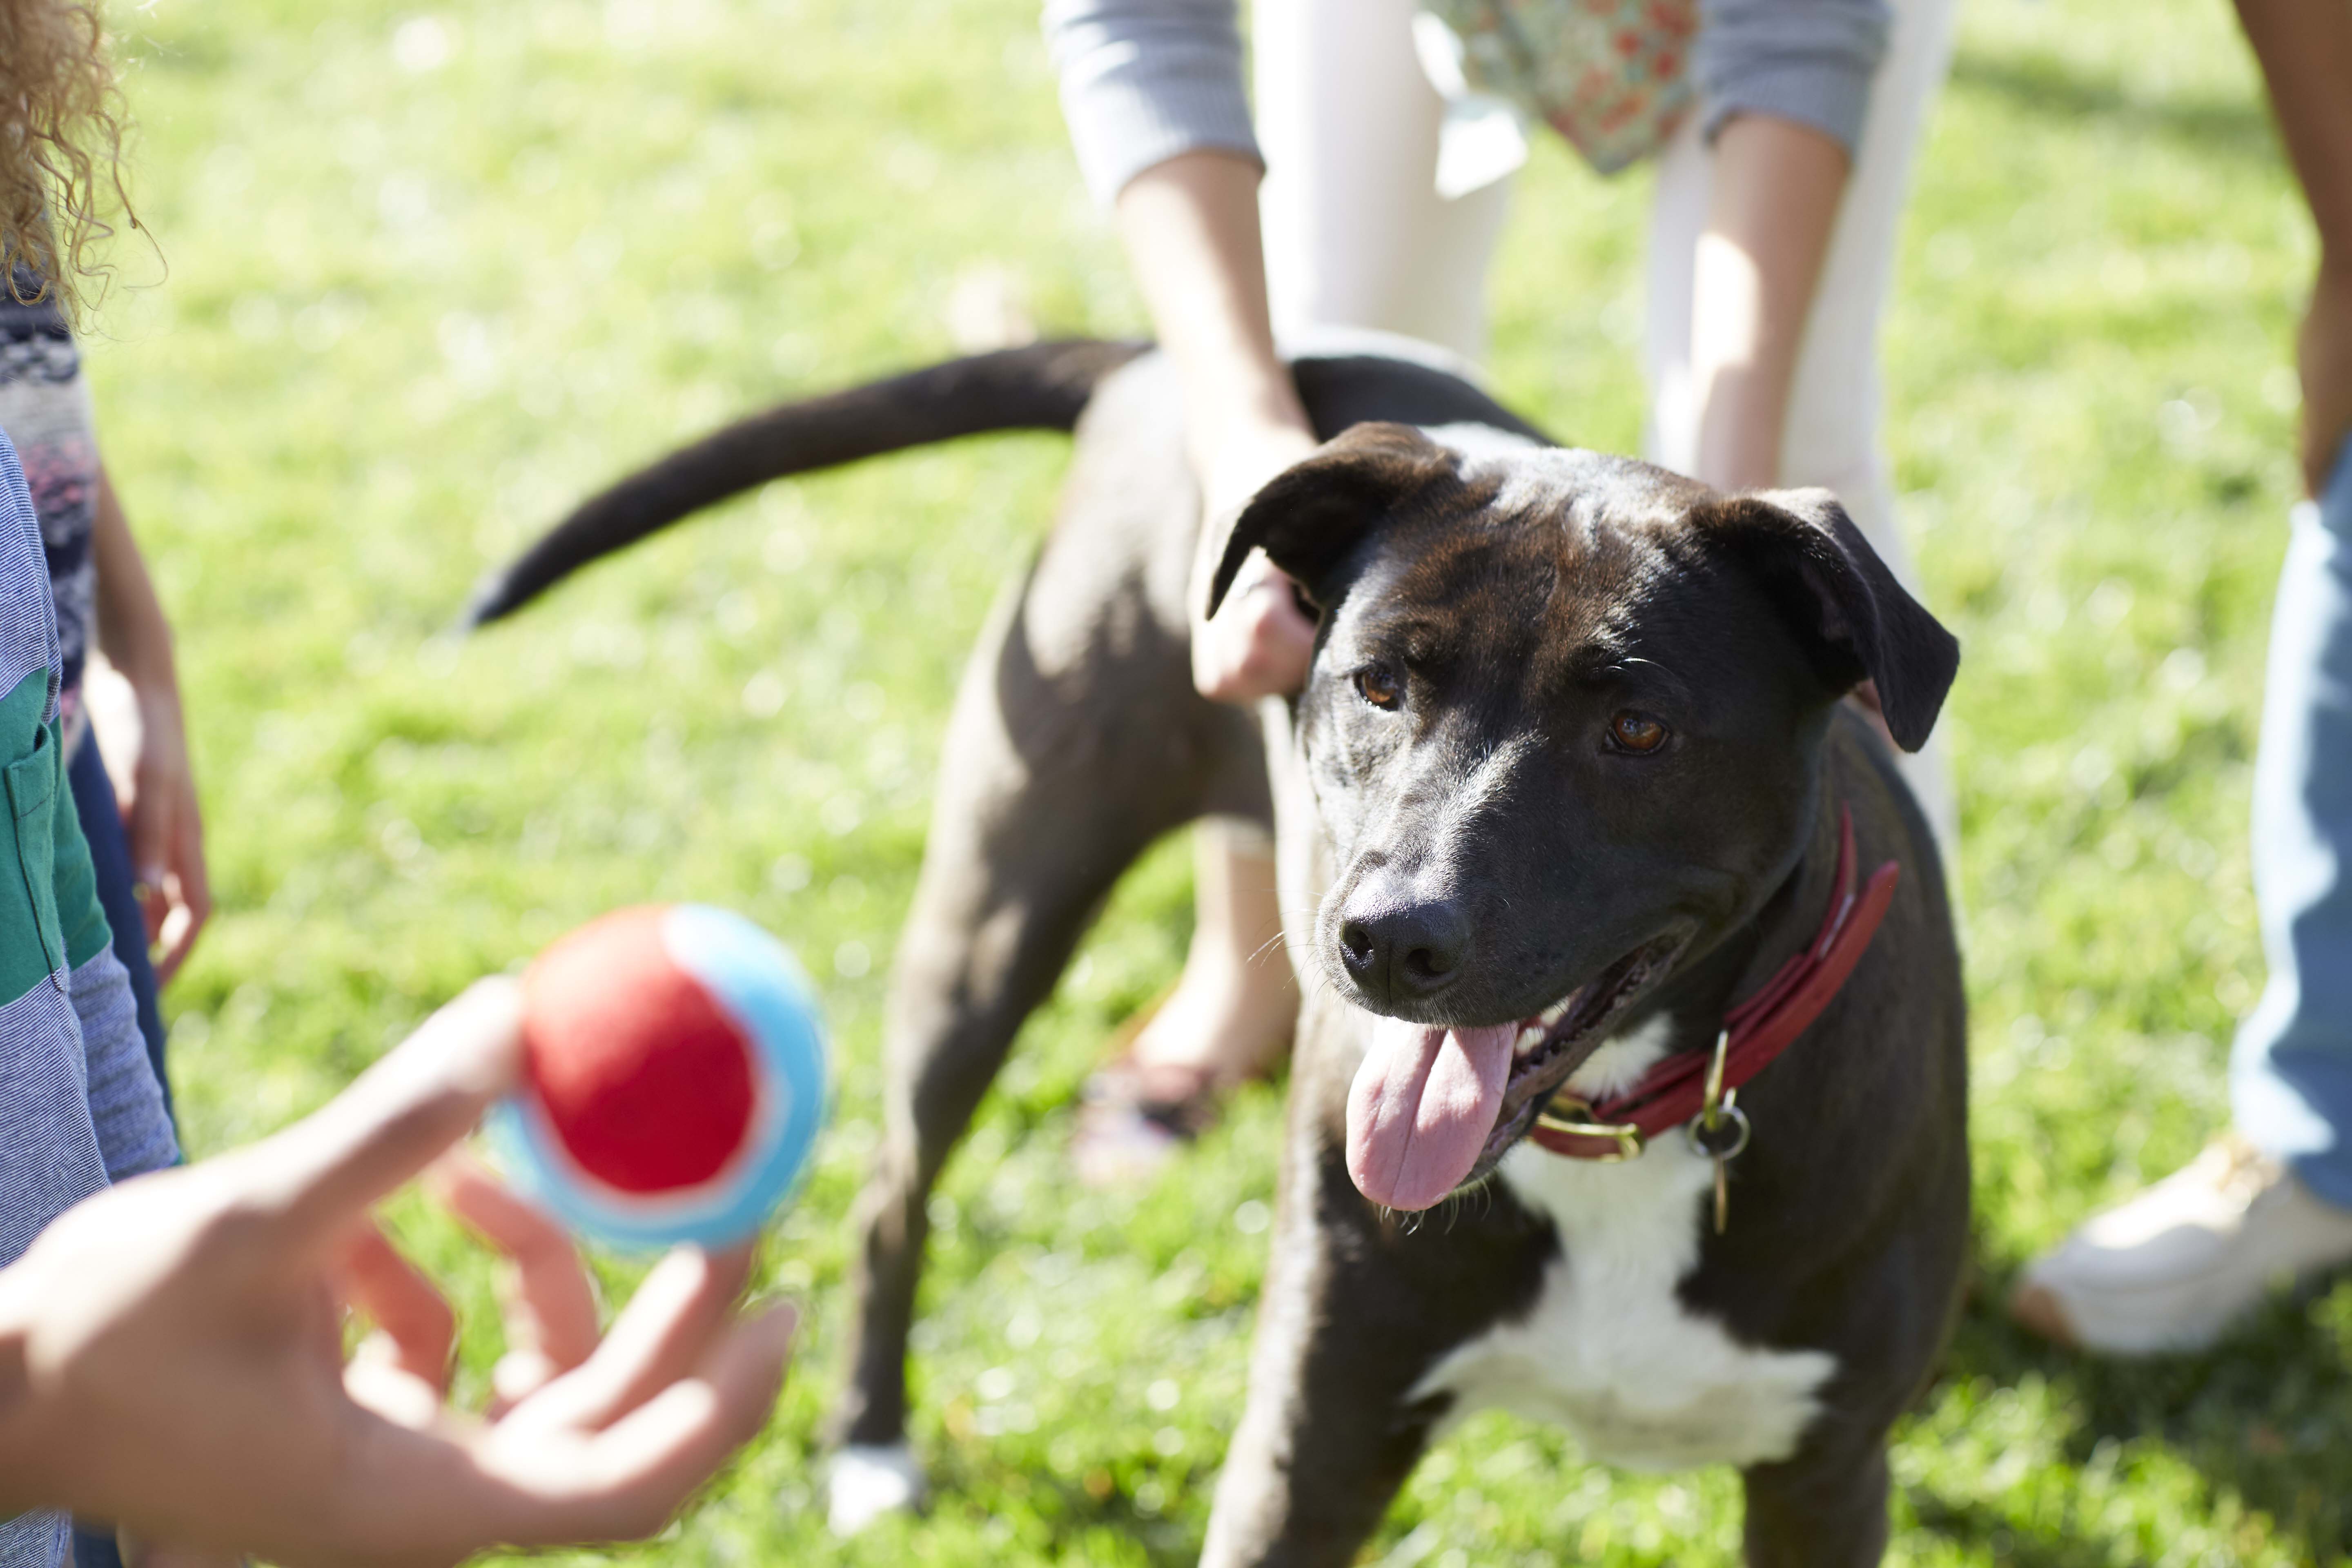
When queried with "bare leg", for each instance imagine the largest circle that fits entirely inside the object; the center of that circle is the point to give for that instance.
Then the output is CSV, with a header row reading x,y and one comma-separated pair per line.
x,y
1229,1018
1231,1015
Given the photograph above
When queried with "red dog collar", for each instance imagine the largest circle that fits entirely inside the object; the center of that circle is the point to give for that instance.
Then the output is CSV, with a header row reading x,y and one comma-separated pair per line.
x,y
1754,1033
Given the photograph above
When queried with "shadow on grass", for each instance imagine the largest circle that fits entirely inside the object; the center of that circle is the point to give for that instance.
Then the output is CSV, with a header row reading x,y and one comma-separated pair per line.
x,y
2266,1415
2044,86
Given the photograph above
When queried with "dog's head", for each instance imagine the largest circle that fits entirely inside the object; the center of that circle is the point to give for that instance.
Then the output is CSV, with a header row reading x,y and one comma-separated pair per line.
x,y
1563,729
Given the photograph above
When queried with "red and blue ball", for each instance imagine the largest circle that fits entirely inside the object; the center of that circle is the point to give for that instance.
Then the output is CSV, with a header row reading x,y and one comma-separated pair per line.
x,y
674,1077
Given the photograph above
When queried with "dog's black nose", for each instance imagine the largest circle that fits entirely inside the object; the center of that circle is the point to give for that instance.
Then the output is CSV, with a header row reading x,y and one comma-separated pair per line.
x,y
1405,951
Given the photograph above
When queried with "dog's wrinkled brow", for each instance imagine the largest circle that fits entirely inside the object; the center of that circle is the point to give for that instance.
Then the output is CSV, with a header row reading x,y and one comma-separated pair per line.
x,y
1405,633
1633,670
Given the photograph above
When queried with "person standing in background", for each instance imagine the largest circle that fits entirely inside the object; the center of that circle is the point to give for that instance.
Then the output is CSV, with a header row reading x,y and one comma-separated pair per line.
x,y
146,851
1784,133
2173,1268
148,848
81,1100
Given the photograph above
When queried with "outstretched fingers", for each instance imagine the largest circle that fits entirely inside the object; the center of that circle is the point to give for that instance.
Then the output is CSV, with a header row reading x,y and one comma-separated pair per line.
x,y
638,1472
527,1481
416,1330
325,1171
551,1303
427,1493
685,1306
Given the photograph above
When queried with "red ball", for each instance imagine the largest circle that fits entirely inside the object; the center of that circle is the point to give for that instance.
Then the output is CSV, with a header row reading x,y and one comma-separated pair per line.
x,y
648,1085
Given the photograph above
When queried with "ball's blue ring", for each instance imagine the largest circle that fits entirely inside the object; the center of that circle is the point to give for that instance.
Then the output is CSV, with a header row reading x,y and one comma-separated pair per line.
x,y
758,983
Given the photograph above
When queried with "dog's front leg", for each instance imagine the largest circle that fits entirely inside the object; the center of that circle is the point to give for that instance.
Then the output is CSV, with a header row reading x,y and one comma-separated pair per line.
x,y
1823,1508
1331,1429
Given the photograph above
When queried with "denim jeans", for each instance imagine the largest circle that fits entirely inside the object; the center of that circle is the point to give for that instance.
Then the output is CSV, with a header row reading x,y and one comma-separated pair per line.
x,y
110,858
2291,1076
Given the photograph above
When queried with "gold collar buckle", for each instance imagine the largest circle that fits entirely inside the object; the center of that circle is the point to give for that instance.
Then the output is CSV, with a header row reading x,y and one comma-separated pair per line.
x,y
1567,1115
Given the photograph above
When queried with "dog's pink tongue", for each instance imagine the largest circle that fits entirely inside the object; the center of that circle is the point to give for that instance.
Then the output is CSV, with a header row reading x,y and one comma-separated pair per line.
x,y
1421,1108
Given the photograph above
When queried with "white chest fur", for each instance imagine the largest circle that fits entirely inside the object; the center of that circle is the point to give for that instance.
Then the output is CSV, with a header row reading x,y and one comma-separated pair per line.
x,y
1609,1351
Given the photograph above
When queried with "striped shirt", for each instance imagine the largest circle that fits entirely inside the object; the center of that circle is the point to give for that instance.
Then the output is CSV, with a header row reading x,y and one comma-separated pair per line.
x,y
45,413
79,1107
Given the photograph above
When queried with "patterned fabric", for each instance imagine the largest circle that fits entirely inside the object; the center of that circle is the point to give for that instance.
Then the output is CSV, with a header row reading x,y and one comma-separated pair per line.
x,y
34,1540
79,1105
1612,76
45,412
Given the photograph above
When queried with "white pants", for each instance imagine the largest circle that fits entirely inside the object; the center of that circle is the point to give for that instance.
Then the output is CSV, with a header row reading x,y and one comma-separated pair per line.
x,y
1357,236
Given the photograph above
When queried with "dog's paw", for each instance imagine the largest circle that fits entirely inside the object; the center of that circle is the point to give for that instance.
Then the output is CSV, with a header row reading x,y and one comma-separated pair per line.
x,y
868,1480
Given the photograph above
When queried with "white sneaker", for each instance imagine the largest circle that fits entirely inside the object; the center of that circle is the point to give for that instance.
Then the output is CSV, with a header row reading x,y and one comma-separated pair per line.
x,y
2173,1268
868,1480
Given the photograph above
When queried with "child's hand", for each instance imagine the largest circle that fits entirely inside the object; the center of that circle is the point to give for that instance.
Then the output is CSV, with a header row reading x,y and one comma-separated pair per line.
x,y
170,1350
155,786
1261,642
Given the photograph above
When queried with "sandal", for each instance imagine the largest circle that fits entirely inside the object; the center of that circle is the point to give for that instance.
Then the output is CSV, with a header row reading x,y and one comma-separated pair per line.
x,y
1134,1116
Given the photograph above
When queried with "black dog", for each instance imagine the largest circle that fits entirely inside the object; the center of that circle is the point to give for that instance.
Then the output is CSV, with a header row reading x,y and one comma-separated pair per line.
x,y
1575,829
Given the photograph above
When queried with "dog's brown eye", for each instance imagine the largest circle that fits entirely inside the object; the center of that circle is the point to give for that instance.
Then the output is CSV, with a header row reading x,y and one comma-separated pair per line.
x,y
1636,732
1379,685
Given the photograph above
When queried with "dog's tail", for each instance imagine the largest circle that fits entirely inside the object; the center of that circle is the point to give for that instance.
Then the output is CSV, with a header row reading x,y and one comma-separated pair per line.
x,y
1044,387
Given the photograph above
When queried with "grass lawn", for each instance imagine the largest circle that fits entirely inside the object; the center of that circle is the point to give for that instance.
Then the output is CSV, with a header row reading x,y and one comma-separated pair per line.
x,y
433,276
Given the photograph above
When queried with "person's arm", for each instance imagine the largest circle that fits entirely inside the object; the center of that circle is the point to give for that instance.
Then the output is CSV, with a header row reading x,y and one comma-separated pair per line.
x,y
2306,51
1190,229
157,791
171,1357
1786,91
1775,200
1152,91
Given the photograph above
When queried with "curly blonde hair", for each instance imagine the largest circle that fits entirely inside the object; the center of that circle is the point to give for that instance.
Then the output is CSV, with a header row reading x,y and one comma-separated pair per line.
x,y
60,150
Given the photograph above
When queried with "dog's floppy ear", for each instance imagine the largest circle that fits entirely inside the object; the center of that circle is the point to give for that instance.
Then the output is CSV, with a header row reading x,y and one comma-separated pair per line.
x,y
1309,515
1855,619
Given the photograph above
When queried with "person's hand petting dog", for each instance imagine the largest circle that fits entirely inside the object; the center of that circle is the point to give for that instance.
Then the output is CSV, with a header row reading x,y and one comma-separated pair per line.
x,y
172,1358
1261,641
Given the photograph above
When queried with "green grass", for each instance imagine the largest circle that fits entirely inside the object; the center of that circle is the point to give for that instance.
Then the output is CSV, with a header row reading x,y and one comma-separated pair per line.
x,y
410,314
